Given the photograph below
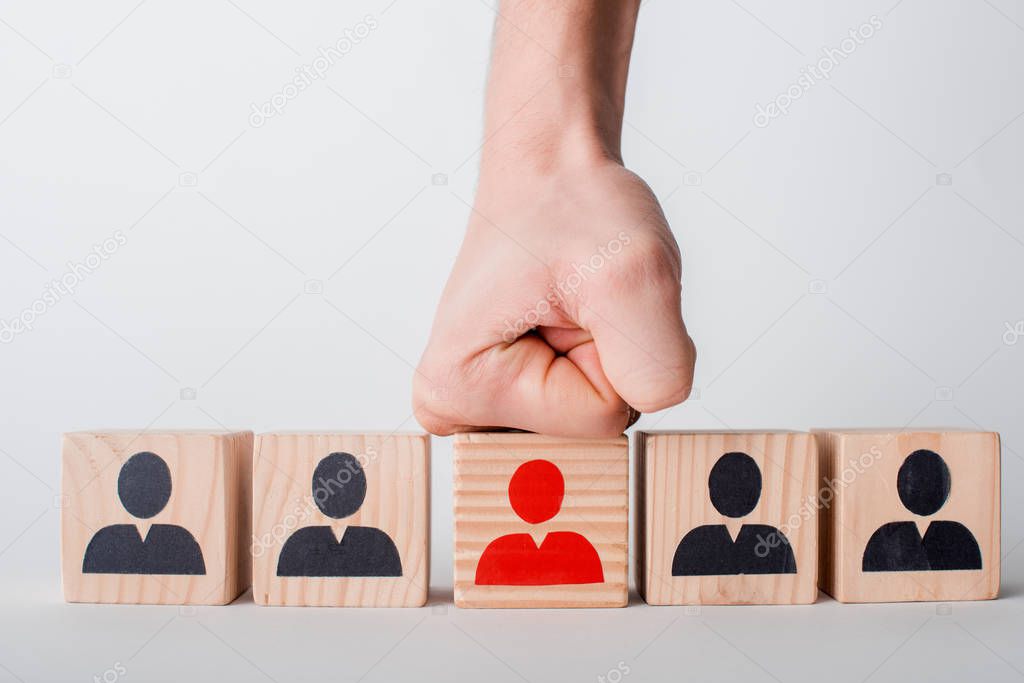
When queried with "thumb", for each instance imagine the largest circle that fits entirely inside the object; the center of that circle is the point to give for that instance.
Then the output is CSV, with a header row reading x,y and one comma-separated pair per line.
x,y
644,348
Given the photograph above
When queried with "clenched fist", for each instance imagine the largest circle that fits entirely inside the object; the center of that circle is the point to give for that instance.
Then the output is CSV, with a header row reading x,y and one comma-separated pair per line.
x,y
562,314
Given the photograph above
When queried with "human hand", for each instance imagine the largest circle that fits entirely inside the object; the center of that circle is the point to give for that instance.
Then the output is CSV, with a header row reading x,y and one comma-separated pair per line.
x,y
562,313
584,258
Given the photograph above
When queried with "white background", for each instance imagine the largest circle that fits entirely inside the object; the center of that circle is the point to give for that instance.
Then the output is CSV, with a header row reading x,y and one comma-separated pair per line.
x,y
830,279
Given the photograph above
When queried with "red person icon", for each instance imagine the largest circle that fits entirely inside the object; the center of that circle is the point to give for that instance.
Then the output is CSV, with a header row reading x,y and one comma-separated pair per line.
x,y
536,491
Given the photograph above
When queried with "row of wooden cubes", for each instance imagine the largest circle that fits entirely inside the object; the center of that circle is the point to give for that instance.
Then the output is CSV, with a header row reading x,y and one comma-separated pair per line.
x,y
342,519
866,515
332,518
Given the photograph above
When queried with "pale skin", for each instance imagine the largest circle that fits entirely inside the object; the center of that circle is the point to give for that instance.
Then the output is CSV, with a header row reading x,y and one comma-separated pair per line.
x,y
562,314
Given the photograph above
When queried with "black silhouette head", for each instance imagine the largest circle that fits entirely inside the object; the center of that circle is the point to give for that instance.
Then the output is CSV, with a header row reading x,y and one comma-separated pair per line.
x,y
923,482
735,484
144,484
339,485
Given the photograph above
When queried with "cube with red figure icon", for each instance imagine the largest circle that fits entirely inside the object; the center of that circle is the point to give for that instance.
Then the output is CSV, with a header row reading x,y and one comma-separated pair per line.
x,y
540,521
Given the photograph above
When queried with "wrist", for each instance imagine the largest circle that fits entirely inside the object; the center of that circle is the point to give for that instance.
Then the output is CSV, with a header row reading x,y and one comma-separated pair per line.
x,y
544,148
567,122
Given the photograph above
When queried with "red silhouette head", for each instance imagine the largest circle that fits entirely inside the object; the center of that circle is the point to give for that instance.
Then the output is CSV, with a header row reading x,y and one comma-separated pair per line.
x,y
536,491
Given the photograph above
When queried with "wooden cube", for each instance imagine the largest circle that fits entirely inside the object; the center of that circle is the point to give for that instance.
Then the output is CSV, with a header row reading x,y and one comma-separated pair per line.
x,y
156,517
909,516
726,518
341,519
541,521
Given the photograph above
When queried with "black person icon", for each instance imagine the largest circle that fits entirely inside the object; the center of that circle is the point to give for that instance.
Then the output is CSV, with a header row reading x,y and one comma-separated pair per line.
x,y
923,484
734,486
339,488
144,487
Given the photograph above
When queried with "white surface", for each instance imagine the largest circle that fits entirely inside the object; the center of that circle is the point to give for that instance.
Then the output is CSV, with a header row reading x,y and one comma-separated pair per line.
x,y
919,281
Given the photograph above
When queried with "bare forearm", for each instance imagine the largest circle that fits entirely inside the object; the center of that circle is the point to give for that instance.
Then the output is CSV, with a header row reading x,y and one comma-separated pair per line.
x,y
558,81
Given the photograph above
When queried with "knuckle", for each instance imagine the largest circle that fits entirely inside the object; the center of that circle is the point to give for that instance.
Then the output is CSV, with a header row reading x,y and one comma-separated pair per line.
x,y
648,263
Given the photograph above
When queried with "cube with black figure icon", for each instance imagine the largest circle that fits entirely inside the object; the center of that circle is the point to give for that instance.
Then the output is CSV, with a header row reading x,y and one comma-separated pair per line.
x,y
341,519
156,517
726,517
911,515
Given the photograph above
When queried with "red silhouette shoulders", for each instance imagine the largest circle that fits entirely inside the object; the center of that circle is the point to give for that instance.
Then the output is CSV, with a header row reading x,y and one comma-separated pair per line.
x,y
564,557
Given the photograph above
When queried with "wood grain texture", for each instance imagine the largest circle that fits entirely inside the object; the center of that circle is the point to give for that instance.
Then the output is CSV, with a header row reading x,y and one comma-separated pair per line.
x,y
210,494
673,499
859,471
397,469
596,505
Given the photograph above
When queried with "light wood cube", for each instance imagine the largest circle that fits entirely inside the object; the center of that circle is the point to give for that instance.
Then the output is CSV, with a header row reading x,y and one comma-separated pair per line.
x,y
726,518
341,519
155,517
541,521
909,516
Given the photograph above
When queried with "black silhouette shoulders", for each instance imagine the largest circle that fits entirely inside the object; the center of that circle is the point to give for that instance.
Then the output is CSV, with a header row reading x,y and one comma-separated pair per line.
x,y
898,547
709,550
119,549
951,545
363,551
